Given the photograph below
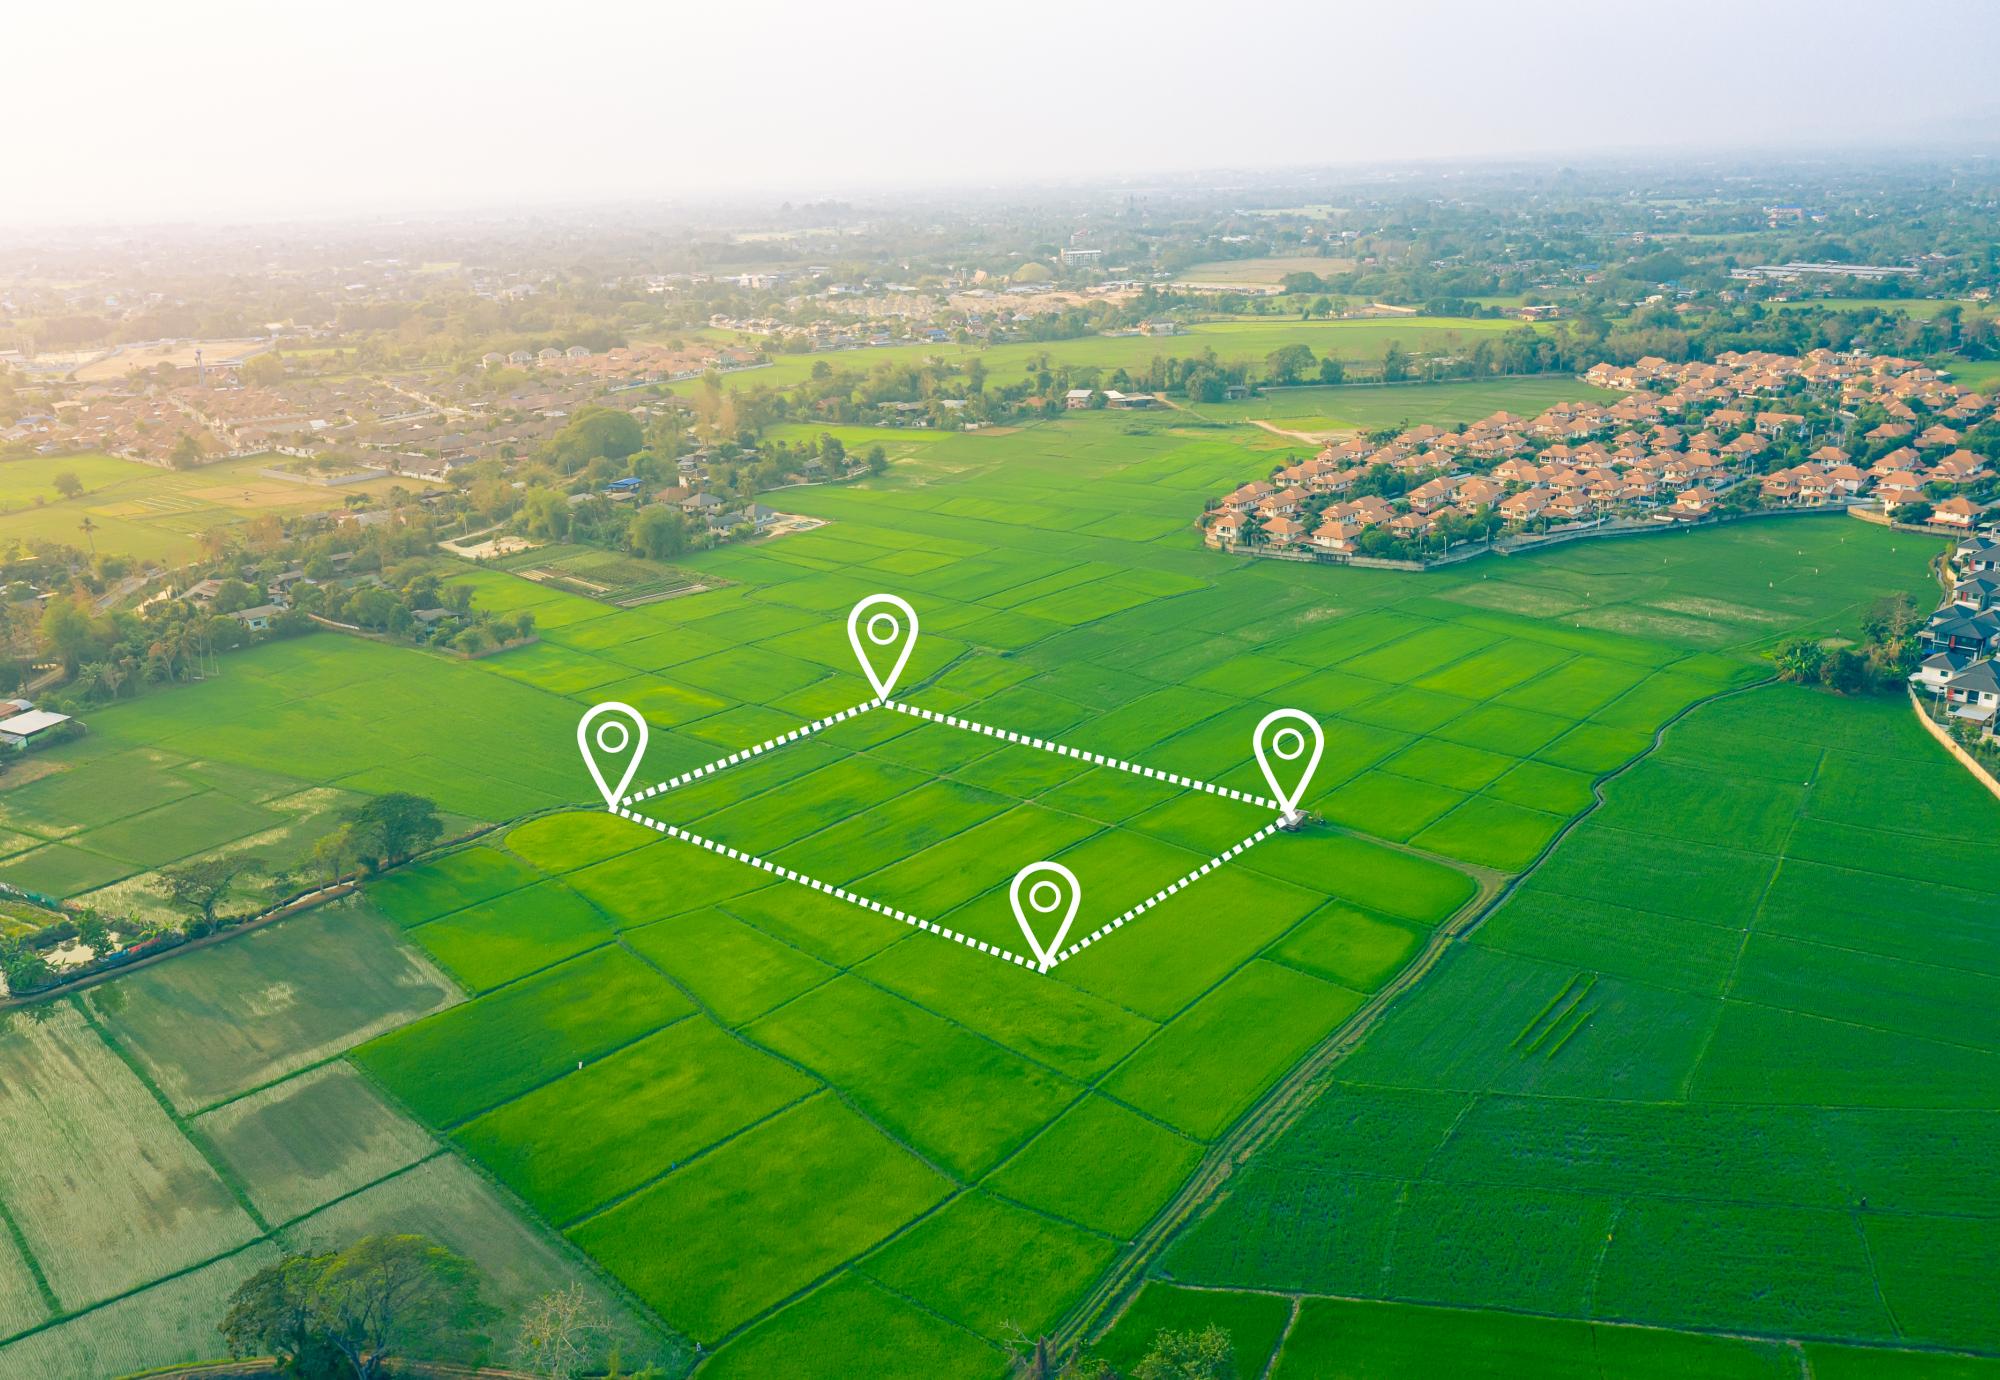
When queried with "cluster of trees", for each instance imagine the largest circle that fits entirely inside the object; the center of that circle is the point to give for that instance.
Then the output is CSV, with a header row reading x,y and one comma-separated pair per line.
x,y
111,654
1207,1353
378,833
1887,654
392,606
563,499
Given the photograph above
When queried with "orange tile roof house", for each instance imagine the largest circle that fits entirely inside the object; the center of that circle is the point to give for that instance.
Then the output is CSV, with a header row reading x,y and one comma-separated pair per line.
x,y
1337,535
1284,531
1958,511
1226,530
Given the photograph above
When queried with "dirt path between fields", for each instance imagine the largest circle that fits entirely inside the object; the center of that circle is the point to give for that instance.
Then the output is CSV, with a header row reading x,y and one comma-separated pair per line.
x,y
1284,1104
1310,438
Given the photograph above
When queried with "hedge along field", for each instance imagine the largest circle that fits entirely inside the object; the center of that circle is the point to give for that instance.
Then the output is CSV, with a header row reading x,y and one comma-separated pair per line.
x,y
1703,1069
1060,593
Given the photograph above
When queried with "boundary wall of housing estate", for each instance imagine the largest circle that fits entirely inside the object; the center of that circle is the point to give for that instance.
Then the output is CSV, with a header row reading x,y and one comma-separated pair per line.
x,y
1965,759
1513,546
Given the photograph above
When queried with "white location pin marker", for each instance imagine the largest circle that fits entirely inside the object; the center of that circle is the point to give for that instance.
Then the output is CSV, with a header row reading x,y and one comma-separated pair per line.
x,y
607,734
874,627
1284,734
1044,888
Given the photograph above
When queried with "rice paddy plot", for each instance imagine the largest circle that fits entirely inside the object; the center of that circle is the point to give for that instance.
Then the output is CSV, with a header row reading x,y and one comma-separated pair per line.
x,y
311,1139
238,1015
105,1192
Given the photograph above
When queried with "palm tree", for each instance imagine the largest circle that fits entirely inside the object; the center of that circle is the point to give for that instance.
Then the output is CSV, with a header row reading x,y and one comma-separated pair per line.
x,y
89,529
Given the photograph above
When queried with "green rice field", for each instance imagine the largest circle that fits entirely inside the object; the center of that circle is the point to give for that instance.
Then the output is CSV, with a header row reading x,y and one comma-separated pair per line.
x,y
852,1130
1741,1017
1377,407
1296,1337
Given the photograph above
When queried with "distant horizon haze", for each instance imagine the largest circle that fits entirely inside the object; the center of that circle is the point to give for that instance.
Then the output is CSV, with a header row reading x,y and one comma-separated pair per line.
x,y
223,111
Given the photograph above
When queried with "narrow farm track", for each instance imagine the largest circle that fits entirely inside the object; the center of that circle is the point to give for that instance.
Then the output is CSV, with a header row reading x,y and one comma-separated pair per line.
x,y
1280,1108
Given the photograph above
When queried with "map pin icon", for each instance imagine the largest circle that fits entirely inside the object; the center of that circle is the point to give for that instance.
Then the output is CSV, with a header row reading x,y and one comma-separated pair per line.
x,y
874,627
1284,734
1049,887
609,734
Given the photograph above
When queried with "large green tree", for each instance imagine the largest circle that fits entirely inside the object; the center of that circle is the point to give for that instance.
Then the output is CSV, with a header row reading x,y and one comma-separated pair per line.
x,y
390,828
355,1311
595,432
658,532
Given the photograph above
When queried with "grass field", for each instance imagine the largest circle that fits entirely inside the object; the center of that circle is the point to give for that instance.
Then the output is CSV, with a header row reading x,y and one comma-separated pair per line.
x,y
1741,1017
1375,407
818,1104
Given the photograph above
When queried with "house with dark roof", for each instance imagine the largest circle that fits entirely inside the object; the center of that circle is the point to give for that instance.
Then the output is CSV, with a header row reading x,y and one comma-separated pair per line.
x,y
1974,694
1953,629
1937,669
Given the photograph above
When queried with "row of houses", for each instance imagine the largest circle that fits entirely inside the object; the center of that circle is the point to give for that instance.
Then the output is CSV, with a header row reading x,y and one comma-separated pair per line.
x,y
1962,639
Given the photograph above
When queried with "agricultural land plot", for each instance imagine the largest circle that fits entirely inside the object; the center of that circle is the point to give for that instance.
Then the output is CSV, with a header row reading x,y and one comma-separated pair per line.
x,y
1305,1336
242,1018
1722,1072
128,1223
601,575
150,513
1061,596
1376,407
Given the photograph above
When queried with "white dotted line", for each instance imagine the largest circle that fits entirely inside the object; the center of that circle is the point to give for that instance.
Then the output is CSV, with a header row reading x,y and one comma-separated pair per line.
x,y
803,731
1169,889
1081,755
838,893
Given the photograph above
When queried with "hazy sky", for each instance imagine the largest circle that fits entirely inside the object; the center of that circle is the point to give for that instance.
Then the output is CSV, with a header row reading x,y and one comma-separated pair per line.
x,y
213,110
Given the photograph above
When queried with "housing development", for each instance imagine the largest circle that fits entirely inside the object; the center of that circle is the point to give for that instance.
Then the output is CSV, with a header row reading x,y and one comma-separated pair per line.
x,y
1691,442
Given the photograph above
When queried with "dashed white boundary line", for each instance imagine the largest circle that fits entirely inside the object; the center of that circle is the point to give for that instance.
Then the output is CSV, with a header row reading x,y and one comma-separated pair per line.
x,y
1178,884
709,769
624,810
1080,754
837,892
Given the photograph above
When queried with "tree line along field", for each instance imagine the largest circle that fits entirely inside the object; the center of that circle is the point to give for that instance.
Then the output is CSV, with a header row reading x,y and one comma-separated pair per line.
x,y
149,513
838,1119
1727,1062
172,1131
1354,341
